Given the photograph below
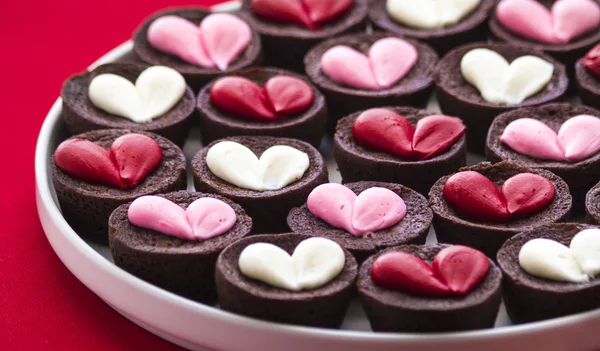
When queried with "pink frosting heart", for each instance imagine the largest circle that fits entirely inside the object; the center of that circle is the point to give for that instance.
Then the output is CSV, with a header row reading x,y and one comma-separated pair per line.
x,y
389,60
372,210
567,19
218,41
577,139
204,218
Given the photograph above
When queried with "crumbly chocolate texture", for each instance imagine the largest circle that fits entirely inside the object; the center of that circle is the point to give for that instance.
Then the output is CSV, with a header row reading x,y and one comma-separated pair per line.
x,y
412,229
356,162
323,307
592,204
459,98
528,298
568,53
471,28
184,267
588,85
308,126
196,76
87,207
81,115
412,90
487,237
285,44
270,208
580,176
390,310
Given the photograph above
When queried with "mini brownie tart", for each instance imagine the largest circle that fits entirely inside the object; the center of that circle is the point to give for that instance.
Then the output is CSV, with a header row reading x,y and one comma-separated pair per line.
x,y
266,175
400,145
360,71
124,95
484,205
290,28
587,74
197,43
441,24
96,172
561,138
364,217
401,292
173,240
592,204
550,271
262,101
287,278
564,29
479,81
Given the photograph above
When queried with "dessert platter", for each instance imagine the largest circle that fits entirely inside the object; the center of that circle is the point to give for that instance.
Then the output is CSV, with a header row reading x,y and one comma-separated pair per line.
x,y
338,175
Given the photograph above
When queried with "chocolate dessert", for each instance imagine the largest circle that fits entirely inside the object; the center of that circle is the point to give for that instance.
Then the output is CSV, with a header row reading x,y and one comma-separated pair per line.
x,y
592,204
587,76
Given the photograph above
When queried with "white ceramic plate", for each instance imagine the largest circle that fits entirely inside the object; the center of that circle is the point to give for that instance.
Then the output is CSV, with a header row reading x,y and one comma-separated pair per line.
x,y
201,327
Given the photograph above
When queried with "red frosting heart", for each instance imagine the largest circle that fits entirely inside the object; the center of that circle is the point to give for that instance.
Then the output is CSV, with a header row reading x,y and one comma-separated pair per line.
x,y
132,157
455,270
477,197
591,61
310,13
282,96
384,130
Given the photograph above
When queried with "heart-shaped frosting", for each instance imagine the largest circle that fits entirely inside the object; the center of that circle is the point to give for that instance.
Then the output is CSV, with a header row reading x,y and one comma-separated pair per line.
x,y
577,139
204,218
281,96
384,130
309,13
477,197
430,14
157,90
389,60
455,270
278,166
546,258
218,41
132,157
591,61
314,263
503,83
372,210
567,20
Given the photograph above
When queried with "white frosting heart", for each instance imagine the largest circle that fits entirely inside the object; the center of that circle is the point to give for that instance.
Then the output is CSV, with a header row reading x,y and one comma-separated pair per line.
x,y
314,263
430,14
549,259
156,90
278,166
502,83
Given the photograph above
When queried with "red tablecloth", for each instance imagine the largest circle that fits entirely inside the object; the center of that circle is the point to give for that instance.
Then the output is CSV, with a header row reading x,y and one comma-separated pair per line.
x,y
42,305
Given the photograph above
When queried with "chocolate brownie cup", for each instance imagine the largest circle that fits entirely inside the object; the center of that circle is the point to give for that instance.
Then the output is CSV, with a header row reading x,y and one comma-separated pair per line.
x,y
454,228
412,229
567,53
285,44
308,125
580,176
195,75
413,89
268,209
357,163
529,298
324,306
394,310
185,267
87,206
592,204
81,115
472,27
459,98
588,82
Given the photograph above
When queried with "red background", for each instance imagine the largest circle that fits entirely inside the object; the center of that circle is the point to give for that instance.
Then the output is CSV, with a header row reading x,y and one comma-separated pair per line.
x,y
42,305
